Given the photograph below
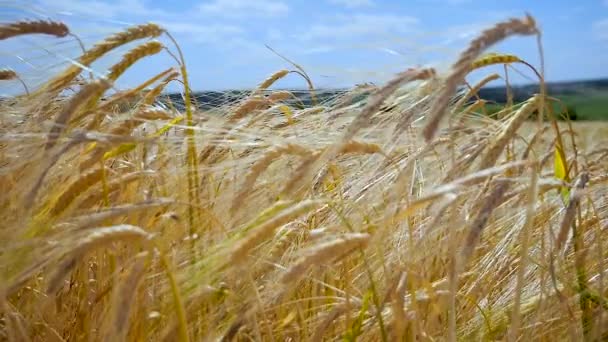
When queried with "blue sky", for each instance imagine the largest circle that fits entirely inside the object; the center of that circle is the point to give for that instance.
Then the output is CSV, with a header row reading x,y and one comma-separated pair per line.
x,y
339,42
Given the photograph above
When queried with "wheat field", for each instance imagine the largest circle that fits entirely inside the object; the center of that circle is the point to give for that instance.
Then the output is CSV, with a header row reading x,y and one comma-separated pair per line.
x,y
403,215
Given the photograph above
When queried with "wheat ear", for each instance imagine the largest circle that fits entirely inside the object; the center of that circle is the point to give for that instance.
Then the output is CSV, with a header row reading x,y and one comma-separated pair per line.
x,y
261,165
489,37
146,49
72,107
98,238
9,74
131,34
74,190
490,202
266,229
475,89
324,252
497,146
53,28
271,80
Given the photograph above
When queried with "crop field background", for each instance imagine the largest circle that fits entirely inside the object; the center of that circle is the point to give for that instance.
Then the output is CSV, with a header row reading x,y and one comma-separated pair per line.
x,y
393,212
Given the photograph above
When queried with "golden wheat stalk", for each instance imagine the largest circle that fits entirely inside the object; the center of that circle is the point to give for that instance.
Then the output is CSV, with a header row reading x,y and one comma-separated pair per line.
x,y
489,203
131,93
72,106
324,252
99,237
149,30
75,189
497,145
266,229
261,165
487,38
475,89
305,171
53,28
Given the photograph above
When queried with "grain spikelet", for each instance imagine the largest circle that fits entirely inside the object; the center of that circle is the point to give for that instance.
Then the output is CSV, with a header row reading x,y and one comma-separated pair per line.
x,y
73,105
53,28
488,37
146,49
325,252
494,58
271,80
131,34
261,165
496,147
570,211
74,190
99,238
266,229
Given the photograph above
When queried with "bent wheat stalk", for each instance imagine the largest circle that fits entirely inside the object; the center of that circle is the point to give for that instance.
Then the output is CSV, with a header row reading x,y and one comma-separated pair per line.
x,y
489,37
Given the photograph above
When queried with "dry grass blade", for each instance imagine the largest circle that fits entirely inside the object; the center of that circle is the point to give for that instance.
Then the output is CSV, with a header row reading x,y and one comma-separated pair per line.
x,y
53,28
489,37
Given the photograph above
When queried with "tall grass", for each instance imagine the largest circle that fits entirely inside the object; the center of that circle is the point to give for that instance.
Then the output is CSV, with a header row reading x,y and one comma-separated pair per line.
x,y
353,219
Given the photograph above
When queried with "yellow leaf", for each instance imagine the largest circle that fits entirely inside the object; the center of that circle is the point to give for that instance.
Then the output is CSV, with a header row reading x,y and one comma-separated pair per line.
x,y
560,169
288,114
122,149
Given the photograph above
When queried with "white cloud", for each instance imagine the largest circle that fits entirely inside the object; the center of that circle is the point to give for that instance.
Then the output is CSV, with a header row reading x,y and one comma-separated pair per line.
x,y
353,3
245,8
101,9
203,33
600,29
358,26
